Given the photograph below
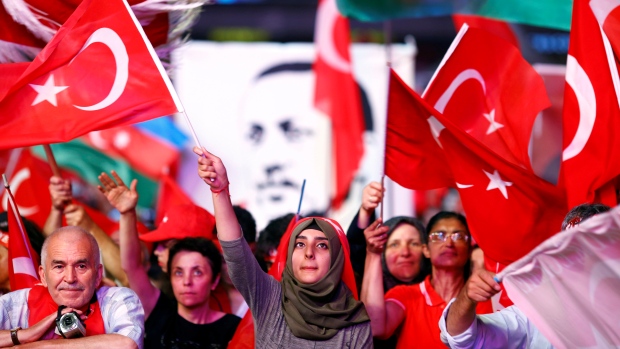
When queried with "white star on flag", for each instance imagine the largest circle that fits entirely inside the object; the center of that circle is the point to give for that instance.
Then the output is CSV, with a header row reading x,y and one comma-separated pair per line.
x,y
494,126
47,92
497,183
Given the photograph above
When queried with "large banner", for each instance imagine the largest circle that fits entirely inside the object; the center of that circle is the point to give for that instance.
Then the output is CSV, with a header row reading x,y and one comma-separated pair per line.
x,y
252,105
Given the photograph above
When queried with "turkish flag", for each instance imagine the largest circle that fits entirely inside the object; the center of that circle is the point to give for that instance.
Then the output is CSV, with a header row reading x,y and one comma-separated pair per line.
x,y
337,95
23,260
135,146
170,194
43,18
10,73
97,72
509,209
413,158
591,118
494,26
607,13
486,88
29,182
17,44
568,286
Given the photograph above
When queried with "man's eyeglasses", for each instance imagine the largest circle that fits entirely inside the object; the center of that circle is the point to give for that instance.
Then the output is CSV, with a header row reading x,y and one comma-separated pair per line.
x,y
442,236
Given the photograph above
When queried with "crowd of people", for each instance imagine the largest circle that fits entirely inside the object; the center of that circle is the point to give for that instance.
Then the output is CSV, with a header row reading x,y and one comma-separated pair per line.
x,y
419,285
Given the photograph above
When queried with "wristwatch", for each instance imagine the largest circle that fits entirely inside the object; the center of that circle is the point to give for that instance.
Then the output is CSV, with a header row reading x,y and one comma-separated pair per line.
x,y
14,335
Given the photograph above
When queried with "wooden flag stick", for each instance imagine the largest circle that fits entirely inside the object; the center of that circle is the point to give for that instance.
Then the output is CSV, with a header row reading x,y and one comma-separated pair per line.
x,y
51,160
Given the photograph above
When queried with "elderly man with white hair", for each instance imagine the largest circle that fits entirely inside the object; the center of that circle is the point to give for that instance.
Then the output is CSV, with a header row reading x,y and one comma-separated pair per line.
x,y
69,310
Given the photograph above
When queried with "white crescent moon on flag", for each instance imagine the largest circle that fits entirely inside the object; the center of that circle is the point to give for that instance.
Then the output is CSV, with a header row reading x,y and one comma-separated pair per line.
x,y
109,38
463,76
327,15
579,81
600,271
16,181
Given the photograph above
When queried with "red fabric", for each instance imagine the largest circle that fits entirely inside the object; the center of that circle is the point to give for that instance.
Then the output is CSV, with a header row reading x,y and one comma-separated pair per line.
x,y
54,13
591,119
488,89
136,147
29,182
497,27
219,300
41,304
509,209
170,194
412,157
116,89
501,299
13,32
423,308
337,95
30,179
10,74
23,260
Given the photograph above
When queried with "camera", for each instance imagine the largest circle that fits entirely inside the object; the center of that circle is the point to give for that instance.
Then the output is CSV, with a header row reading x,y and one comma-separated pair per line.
x,y
70,325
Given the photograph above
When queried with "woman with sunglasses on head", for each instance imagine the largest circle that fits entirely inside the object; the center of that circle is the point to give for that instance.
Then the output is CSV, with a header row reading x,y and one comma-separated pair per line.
x,y
413,311
314,304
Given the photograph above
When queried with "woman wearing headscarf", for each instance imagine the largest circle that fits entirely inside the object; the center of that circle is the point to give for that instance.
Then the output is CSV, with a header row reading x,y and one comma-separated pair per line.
x,y
312,306
412,312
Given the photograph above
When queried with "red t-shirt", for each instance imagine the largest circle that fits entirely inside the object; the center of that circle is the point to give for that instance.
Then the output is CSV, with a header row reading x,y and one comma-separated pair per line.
x,y
423,308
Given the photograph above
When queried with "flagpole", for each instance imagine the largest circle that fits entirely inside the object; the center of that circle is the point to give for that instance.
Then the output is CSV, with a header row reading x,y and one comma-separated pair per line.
x,y
51,160
194,135
301,197
387,37
16,212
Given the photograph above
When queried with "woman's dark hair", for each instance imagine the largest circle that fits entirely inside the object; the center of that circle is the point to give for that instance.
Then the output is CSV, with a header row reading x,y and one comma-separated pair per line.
x,y
581,213
201,245
448,215
389,281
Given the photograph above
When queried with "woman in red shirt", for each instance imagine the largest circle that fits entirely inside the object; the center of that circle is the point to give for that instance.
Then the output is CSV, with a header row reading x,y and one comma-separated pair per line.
x,y
413,311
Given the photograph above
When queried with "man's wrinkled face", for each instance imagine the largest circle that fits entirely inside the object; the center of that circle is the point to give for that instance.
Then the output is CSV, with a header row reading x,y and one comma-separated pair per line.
x,y
287,142
70,272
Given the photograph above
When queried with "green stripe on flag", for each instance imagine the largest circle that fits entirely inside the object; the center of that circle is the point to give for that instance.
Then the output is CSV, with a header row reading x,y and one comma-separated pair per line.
x,y
88,163
554,14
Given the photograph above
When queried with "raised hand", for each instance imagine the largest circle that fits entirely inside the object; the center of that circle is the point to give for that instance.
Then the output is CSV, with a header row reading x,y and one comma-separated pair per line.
x,y
372,196
481,286
60,191
124,199
376,237
211,170
76,215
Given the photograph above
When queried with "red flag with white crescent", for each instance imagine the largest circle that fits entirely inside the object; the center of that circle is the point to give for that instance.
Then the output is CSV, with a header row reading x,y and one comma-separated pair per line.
x,y
490,91
23,260
591,118
337,96
509,209
97,72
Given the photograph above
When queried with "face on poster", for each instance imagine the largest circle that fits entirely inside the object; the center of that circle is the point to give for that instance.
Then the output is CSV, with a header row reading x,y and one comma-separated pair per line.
x,y
252,105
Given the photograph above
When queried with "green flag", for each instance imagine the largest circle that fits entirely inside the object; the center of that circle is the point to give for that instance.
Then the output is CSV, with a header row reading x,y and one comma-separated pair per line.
x,y
554,14
88,163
